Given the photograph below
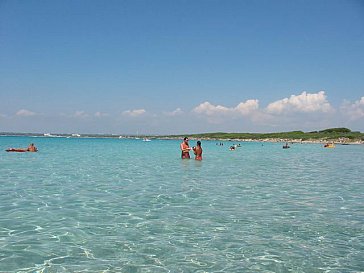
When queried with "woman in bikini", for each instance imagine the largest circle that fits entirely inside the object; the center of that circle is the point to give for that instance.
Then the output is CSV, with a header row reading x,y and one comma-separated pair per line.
x,y
198,151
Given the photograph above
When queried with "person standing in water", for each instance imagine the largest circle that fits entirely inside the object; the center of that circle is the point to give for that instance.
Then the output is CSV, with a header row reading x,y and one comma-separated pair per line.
x,y
198,151
185,149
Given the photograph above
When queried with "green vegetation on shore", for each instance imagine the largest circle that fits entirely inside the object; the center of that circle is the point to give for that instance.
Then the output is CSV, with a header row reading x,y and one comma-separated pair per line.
x,y
332,134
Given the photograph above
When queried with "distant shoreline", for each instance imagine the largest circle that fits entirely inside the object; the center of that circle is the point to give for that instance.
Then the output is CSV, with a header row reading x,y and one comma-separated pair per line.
x,y
327,139
272,140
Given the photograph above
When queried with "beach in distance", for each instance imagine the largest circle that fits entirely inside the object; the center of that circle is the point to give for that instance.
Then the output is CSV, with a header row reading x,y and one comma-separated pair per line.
x,y
127,205
332,135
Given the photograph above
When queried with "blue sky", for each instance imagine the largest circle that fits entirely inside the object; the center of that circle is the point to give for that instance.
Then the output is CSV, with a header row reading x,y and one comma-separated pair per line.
x,y
159,67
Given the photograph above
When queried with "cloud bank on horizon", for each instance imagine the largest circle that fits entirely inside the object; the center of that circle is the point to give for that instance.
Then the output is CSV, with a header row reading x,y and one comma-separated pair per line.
x,y
305,111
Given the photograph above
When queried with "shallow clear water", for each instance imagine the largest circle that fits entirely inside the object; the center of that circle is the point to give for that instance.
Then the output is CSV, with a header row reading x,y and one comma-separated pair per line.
x,y
115,205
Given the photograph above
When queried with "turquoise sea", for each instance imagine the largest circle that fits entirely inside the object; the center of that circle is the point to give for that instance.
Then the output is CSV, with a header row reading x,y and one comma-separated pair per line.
x,y
121,205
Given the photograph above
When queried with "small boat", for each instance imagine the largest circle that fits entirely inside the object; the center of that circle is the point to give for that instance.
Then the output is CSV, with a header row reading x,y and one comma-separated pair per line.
x,y
146,139
50,135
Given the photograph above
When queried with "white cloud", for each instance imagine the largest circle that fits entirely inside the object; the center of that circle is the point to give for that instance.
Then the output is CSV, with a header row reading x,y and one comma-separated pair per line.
x,y
80,114
101,114
243,108
248,107
305,103
353,110
209,109
176,112
134,113
25,113
219,114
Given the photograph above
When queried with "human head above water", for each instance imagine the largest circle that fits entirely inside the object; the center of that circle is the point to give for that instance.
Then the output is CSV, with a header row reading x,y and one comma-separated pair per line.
x,y
198,143
185,138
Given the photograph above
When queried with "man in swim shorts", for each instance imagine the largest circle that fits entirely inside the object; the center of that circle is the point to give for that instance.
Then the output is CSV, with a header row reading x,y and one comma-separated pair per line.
x,y
185,149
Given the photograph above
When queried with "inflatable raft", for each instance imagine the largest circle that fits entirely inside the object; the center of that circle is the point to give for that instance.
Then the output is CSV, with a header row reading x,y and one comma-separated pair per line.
x,y
16,150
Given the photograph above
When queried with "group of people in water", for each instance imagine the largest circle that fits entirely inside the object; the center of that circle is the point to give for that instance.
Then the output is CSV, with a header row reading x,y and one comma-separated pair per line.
x,y
185,149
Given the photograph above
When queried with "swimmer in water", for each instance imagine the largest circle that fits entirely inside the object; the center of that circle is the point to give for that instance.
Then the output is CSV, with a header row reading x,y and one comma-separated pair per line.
x,y
32,148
